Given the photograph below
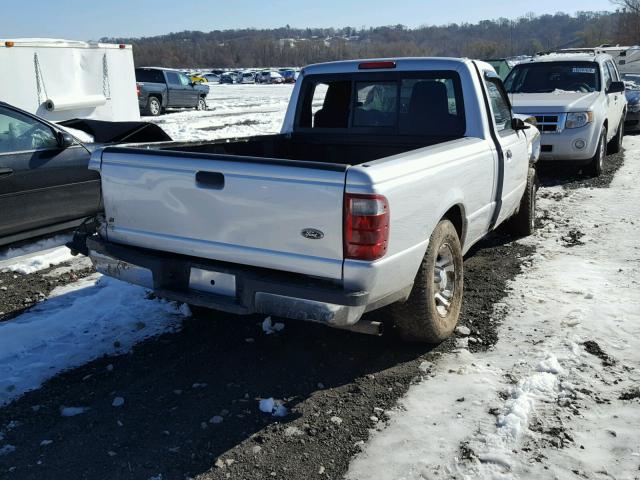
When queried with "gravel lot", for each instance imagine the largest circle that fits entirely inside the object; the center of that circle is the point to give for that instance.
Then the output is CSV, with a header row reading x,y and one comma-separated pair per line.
x,y
191,398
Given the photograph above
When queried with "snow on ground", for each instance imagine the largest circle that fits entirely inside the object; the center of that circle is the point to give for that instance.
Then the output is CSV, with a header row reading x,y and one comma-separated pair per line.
x,y
33,262
33,247
35,256
233,111
554,398
98,315
79,322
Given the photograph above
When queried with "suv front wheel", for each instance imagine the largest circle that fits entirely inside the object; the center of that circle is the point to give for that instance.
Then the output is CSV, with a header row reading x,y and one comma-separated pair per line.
x,y
597,162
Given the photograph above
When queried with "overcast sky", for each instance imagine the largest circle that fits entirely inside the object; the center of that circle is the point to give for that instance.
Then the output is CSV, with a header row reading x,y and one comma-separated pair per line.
x,y
91,20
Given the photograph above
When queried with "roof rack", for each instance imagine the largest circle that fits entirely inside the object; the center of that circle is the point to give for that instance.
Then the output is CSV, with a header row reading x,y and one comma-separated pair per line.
x,y
571,51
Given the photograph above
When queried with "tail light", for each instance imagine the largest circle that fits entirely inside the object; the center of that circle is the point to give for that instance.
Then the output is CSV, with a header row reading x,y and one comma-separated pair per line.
x,y
137,89
376,65
366,226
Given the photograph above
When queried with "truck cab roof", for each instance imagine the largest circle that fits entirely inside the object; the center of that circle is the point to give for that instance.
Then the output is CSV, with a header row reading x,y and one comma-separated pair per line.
x,y
403,64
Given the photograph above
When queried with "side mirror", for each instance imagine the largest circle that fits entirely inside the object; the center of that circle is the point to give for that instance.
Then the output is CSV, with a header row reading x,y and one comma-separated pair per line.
x,y
64,139
519,124
616,87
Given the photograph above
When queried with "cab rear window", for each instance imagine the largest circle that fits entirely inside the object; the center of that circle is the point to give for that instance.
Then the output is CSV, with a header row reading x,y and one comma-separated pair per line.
x,y
426,103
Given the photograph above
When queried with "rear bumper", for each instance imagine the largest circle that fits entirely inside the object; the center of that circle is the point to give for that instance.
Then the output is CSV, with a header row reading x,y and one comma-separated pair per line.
x,y
253,290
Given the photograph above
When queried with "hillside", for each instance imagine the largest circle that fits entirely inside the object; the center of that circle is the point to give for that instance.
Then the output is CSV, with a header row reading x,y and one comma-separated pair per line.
x,y
290,46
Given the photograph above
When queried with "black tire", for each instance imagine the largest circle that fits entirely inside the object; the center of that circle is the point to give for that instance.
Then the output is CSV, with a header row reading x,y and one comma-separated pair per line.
x,y
522,223
596,165
154,106
423,318
616,142
202,104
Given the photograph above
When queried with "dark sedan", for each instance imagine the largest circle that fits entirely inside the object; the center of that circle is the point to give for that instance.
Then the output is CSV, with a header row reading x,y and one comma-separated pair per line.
x,y
45,185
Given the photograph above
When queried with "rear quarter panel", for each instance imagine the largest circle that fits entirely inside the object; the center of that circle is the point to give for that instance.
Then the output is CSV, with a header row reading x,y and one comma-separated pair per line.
x,y
421,186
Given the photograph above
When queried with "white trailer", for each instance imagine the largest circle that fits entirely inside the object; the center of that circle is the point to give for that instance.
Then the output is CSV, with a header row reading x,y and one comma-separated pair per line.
x,y
63,79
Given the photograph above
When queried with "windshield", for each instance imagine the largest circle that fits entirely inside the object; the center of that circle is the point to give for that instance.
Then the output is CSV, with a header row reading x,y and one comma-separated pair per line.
x,y
545,77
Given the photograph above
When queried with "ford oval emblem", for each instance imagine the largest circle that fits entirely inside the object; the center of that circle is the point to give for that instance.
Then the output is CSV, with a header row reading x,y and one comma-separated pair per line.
x,y
312,234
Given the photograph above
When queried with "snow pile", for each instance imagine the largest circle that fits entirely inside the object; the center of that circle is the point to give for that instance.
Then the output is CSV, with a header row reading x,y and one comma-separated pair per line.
x,y
34,262
72,411
551,398
274,407
33,247
268,327
79,322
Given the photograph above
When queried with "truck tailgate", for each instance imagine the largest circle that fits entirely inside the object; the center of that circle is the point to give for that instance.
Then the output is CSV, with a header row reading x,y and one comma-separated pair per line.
x,y
278,214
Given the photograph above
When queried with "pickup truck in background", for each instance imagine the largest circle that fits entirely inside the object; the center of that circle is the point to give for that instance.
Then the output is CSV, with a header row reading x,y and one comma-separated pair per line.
x,y
162,88
385,174
578,100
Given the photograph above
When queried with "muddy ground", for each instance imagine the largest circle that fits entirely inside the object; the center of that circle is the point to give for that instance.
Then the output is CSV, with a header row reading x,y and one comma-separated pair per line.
x,y
191,398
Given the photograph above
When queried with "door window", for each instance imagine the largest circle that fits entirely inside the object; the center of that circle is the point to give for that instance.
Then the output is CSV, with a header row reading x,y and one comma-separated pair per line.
x,y
184,80
499,106
607,77
19,132
173,79
613,72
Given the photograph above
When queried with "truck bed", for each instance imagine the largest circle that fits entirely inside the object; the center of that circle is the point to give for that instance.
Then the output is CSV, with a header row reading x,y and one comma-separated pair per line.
x,y
248,201
336,149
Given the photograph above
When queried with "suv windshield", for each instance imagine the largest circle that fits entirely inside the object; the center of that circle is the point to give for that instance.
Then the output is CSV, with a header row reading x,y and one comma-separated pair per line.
x,y
631,81
545,77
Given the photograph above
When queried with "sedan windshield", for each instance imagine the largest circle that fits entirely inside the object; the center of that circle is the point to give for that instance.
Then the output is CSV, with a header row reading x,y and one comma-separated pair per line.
x,y
545,77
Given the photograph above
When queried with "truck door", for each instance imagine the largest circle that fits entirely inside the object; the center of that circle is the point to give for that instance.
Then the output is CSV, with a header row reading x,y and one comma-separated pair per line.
x,y
513,145
615,101
175,92
41,184
189,91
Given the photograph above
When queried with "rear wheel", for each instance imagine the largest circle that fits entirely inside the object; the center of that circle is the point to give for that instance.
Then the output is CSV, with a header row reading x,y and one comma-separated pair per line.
x,y
522,224
616,142
431,312
202,104
153,106
597,162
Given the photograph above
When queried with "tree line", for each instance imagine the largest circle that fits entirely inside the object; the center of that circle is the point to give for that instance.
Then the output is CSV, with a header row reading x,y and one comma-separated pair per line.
x,y
288,46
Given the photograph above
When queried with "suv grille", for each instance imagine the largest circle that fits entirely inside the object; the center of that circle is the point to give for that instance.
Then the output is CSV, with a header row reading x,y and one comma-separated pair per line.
x,y
550,123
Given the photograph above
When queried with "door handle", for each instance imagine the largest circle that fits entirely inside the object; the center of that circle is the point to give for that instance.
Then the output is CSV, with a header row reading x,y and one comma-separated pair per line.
x,y
5,171
509,154
214,180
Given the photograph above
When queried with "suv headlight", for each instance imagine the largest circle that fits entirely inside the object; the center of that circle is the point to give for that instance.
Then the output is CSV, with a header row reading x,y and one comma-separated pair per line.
x,y
577,120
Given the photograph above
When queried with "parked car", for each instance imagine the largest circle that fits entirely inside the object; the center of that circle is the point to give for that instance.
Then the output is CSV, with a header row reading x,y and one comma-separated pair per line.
x,y
162,88
211,78
632,92
381,200
248,77
578,101
288,75
45,185
269,76
197,78
226,78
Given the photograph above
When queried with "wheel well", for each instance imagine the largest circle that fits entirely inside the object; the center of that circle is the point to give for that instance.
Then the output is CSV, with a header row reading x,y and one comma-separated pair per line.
x,y
606,124
155,95
456,216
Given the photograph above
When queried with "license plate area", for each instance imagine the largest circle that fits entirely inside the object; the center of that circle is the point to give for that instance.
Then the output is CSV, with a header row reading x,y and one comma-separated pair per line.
x,y
212,282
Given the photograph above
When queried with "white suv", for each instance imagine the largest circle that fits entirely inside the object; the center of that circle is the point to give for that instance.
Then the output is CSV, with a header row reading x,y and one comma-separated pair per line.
x,y
579,104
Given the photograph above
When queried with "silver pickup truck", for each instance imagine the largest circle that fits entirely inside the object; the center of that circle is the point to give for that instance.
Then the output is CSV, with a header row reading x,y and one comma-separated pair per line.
x,y
386,172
